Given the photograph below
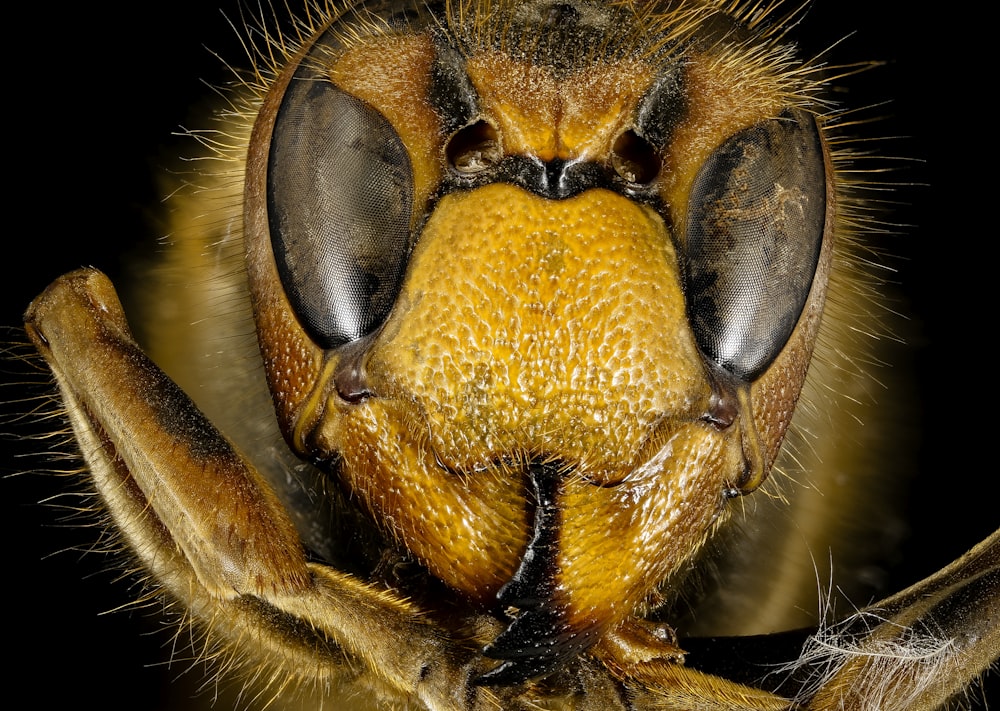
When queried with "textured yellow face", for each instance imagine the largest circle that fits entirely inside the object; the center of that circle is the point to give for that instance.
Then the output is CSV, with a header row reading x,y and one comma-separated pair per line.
x,y
562,309
535,286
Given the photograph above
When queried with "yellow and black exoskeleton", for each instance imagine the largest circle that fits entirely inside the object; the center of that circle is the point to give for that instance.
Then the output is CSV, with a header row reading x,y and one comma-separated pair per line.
x,y
536,286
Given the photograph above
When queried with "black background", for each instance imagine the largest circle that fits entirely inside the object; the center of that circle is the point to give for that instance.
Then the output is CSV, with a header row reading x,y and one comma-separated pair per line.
x,y
93,100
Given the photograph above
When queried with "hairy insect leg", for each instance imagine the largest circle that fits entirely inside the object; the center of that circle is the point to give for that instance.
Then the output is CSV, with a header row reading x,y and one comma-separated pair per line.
x,y
204,523
915,650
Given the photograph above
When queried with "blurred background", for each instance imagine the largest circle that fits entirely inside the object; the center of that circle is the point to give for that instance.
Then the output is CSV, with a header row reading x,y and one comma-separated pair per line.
x,y
91,116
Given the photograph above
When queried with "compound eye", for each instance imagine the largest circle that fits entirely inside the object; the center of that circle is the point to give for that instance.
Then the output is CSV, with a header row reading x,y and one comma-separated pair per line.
x,y
756,220
339,201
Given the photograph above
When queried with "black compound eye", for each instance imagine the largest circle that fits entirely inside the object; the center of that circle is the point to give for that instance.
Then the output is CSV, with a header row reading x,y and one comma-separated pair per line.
x,y
756,220
340,200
